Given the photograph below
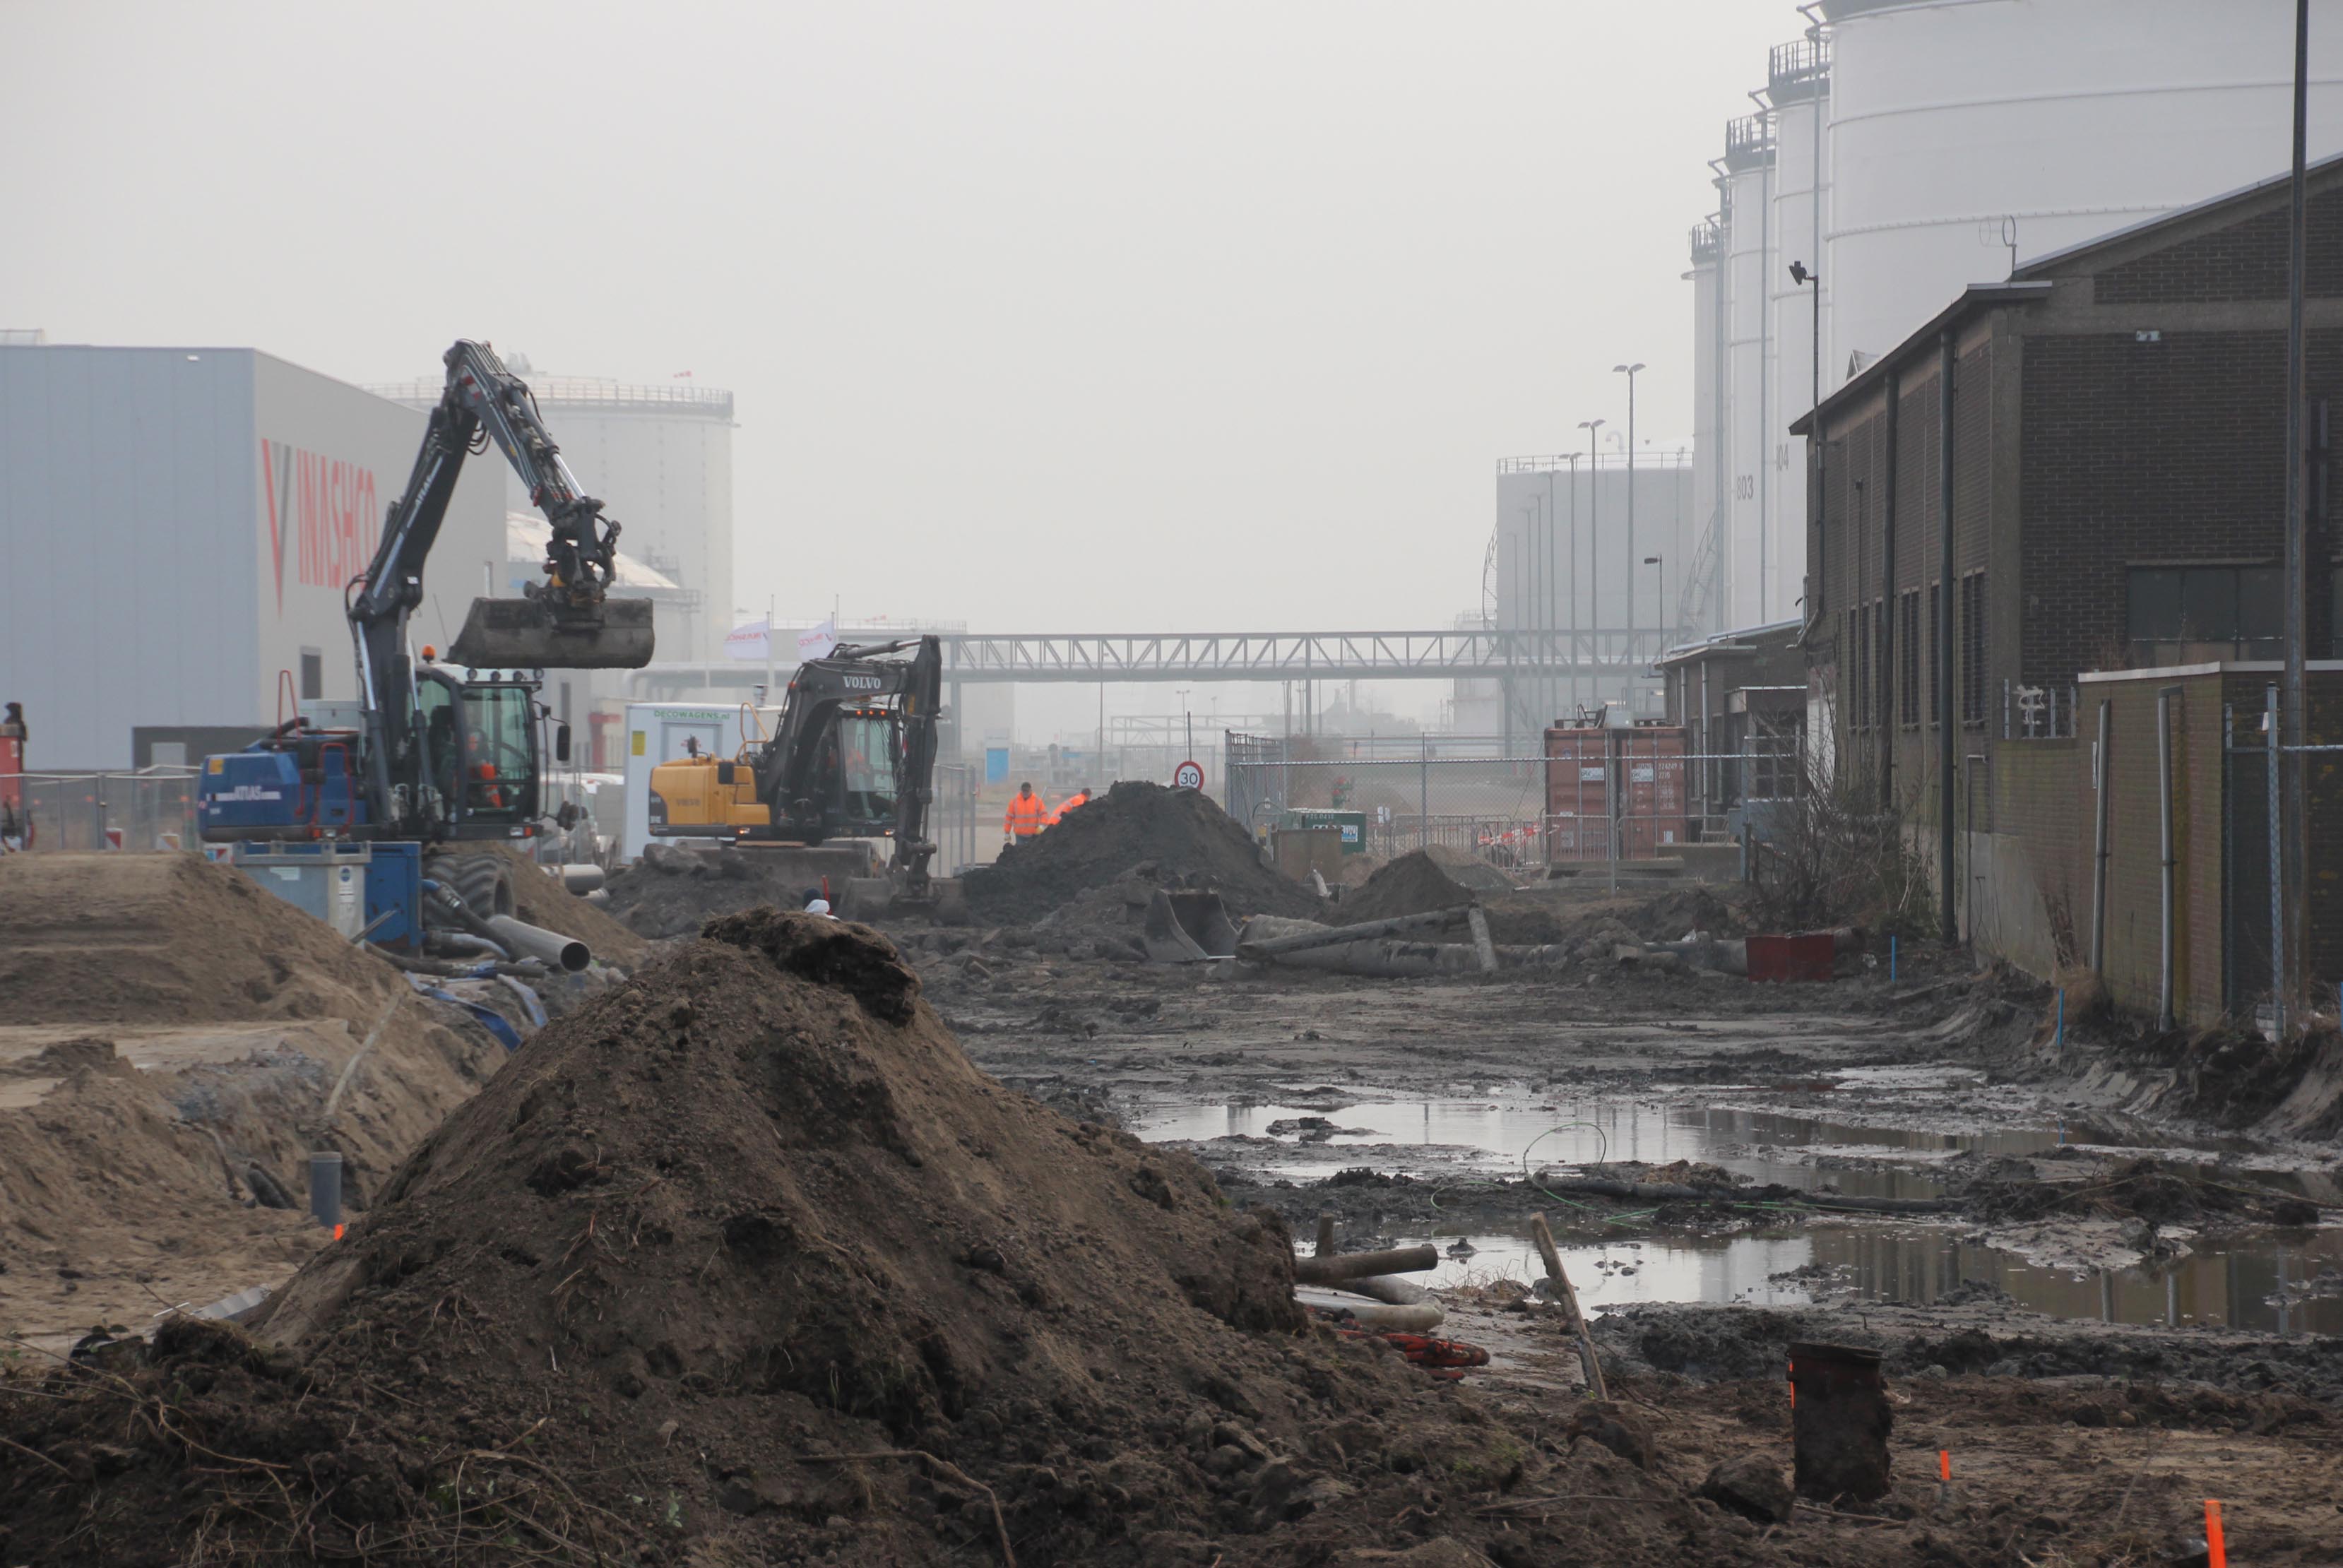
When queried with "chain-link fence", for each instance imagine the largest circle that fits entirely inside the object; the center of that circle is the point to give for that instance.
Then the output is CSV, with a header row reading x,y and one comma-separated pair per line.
x,y
153,808
951,816
1605,794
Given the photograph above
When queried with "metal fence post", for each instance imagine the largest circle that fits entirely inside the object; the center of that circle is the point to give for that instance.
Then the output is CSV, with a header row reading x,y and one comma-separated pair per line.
x,y
1424,793
2102,777
2276,882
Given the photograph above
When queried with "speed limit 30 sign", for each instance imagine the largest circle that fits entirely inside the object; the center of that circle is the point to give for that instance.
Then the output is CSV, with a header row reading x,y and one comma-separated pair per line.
x,y
1188,776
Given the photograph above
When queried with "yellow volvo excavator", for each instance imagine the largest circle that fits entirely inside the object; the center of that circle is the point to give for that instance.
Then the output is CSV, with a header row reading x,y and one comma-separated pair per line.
x,y
853,756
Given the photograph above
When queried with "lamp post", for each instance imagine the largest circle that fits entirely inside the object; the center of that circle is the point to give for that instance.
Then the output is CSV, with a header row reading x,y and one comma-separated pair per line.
x,y
1571,547
1800,275
1593,428
1660,561
1629,371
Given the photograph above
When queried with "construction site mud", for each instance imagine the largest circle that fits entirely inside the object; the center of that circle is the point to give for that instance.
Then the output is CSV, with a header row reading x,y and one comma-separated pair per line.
x,y
808,1244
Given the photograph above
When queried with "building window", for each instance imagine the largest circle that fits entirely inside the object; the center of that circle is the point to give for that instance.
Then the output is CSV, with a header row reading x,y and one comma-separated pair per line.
x,y
2194,615
1882,688
1908,665
1973,648
1935,663
313,675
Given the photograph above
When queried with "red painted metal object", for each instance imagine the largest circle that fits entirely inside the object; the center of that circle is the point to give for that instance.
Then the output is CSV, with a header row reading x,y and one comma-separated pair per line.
x,y
1802,956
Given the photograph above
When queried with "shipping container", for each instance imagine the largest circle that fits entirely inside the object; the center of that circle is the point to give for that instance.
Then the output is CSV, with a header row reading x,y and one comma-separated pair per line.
x,y
1578,793
1653,819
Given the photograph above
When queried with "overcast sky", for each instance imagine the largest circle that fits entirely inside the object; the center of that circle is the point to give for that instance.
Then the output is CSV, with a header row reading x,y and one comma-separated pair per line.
x,y
1042,316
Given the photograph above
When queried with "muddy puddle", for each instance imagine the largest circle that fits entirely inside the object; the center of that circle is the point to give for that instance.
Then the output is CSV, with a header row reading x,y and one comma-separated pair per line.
x,y
2263,1284
1313,1136
2270,1283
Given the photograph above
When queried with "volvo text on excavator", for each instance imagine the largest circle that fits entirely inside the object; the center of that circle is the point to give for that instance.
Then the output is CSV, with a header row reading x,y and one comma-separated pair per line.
x,y
853,756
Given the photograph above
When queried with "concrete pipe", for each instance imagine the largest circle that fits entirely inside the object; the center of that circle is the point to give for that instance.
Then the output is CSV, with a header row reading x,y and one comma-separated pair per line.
x,y
581,879
535,942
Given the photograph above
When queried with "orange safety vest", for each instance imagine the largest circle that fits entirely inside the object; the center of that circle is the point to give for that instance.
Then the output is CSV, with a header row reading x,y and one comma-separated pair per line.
x,y
1027,816
1058,815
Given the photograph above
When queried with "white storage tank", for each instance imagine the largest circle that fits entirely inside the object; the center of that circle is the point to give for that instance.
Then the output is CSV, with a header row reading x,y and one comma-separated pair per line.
x,y
1961,133
1798,87
1699,603
1752,562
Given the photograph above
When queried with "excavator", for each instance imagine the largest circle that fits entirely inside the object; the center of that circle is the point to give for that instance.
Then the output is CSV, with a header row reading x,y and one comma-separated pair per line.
x,y
442,753
853,756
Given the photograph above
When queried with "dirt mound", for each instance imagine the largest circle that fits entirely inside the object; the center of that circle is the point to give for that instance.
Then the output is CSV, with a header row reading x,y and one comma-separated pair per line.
x,y
539,898
748,1250
1181,833
673,892
176,1041
166,938
1423,880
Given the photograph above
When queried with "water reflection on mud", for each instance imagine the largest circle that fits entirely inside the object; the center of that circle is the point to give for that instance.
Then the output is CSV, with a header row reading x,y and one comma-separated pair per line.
x,y
2258,1283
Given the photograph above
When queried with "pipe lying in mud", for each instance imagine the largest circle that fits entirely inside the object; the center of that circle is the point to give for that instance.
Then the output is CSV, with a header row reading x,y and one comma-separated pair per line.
x,y
566,953
1364,1265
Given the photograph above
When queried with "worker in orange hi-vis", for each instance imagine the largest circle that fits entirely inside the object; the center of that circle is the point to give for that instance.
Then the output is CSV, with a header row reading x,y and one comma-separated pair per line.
x,y
1058,813
1028,814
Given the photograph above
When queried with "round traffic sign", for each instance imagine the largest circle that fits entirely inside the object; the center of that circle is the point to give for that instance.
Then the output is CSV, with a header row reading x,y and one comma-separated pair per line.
x,y
1188,776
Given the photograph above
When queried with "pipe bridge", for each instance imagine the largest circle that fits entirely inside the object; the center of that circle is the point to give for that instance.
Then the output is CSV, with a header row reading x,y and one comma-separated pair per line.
x,y
1493,653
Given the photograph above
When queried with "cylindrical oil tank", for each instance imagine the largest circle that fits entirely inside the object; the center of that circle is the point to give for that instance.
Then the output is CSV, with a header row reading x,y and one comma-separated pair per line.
x,y
1961,133
1798,86
1749,259
1699,602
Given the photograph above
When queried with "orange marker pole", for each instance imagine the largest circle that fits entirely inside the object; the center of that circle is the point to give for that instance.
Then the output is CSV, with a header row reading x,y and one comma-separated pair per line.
x,y
1792,1375
2216,1553
1945,1465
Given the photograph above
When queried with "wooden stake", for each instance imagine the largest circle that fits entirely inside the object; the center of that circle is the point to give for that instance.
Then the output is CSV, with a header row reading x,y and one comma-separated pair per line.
x,y
1325,1235
1588,1361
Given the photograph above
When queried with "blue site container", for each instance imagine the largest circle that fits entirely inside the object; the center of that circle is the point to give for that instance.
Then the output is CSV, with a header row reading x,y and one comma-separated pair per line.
x,y
356,888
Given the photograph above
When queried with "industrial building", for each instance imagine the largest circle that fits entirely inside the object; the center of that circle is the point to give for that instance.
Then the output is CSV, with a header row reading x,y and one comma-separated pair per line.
x,y
1585,544
2108,522
178,525
1903,149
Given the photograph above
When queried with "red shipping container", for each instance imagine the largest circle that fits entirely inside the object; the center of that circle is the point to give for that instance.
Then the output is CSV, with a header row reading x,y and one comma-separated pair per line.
x,y
1806,956
1578,793
1651,767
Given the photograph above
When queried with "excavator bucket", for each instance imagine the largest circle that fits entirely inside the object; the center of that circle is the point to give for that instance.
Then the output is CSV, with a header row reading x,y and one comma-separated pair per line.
x,y
525,634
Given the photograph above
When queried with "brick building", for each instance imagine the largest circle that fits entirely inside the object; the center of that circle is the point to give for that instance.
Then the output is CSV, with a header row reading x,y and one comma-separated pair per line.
x,y
2115,498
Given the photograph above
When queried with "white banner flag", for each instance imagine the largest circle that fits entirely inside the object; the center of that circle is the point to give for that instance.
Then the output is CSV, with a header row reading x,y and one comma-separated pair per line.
x,y
752,642
817,642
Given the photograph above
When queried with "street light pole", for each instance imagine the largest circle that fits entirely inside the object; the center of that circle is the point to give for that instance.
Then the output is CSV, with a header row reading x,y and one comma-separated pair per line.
x,y
1572,547
1799,275
1629,371
2287,942
1593,428
1660,561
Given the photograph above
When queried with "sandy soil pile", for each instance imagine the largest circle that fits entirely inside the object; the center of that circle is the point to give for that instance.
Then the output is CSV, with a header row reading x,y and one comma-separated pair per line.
x,y
173,1038
1177,835
166,938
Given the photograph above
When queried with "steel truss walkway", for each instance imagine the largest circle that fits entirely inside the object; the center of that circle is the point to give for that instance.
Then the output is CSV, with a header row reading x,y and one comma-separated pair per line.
x,y
1509,655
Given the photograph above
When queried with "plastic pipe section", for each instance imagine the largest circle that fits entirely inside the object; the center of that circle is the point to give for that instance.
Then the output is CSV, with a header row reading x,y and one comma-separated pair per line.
x,y
562,952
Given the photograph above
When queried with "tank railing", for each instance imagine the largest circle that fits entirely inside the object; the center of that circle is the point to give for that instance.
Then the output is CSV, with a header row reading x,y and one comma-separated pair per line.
x,y
1652,461
1748,141
1797,70
1707,240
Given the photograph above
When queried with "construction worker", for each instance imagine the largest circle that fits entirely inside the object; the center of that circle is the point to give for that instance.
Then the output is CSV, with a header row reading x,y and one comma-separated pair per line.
x,y
1027,815
1058,815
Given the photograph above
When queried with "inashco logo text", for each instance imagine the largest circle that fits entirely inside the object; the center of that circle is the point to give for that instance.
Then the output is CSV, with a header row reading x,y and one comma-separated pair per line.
x,y
323,509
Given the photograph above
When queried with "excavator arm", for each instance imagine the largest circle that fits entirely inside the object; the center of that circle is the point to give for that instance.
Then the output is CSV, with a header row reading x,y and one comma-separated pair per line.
x,y
568,622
